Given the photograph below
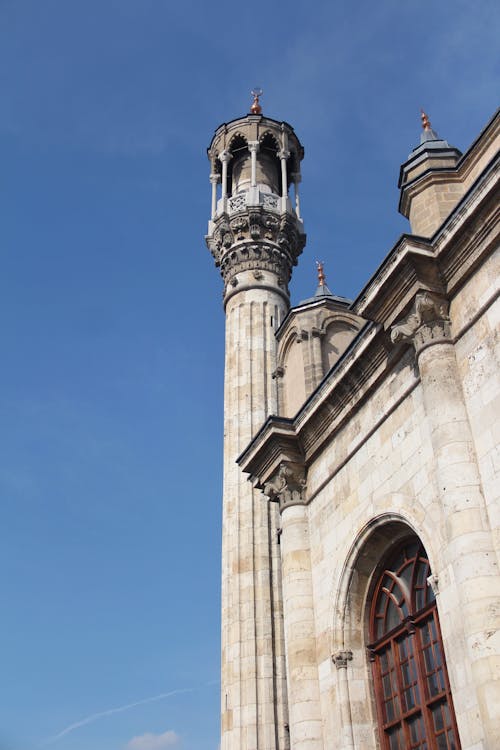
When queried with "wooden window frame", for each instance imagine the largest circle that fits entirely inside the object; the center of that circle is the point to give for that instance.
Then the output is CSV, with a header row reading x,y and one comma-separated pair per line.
x,y
404,699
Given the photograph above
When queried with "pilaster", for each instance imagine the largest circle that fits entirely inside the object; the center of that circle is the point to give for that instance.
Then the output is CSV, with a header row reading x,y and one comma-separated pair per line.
x,y
288,488
471,577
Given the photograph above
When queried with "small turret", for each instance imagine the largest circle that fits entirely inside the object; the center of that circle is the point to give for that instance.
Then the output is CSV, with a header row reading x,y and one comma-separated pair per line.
x,y
429,185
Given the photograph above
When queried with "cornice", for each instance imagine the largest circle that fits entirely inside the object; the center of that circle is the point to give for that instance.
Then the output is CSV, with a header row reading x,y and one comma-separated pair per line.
x,y
471,232
275,442
296,441
409,267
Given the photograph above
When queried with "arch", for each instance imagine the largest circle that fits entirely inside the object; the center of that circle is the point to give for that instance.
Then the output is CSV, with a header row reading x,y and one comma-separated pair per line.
x,y
237,143
238,146
385,611
268,142
355,581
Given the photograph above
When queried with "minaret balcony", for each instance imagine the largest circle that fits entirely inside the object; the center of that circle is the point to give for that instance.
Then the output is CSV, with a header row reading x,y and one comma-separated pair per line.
x,y
252,198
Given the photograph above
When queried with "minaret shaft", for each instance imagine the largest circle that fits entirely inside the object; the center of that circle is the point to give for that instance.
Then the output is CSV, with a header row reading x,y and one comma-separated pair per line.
x,y
252,671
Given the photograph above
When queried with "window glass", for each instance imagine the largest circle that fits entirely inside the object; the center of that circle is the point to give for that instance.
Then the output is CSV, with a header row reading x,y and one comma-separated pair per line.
x,y
411,685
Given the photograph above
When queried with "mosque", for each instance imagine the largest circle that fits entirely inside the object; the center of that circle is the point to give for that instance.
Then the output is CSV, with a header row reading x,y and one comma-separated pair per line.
x,y
361,514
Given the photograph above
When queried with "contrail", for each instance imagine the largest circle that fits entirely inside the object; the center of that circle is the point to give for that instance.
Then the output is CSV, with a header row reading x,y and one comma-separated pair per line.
x,y
110,711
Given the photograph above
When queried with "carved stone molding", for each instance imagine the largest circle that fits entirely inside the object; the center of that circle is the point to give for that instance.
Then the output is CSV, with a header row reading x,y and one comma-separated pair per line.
x,y
427,323
260,256
433,582
288,486
256,239
340,658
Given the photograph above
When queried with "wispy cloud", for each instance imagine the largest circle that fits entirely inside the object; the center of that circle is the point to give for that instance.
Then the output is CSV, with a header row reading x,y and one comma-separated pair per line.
x,y
151,741
117,710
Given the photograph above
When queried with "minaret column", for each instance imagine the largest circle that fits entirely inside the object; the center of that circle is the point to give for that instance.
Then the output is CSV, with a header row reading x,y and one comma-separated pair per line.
x,y
296,181
283,156
214,181
253,147
224,158
252,679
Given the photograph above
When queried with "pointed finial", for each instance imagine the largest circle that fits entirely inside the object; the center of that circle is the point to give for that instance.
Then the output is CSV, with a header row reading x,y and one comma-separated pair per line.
x,y
426,123
321,273
256,109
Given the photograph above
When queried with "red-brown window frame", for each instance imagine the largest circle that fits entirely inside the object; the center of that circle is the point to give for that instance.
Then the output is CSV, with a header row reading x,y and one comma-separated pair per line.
x,y
389,643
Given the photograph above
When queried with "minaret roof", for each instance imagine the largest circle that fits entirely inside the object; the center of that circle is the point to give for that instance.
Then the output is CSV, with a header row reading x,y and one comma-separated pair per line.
x,y
322,291
429,139
431,148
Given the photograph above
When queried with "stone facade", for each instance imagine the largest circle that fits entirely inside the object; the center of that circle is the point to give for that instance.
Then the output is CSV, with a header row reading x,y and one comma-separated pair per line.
x,y
356,426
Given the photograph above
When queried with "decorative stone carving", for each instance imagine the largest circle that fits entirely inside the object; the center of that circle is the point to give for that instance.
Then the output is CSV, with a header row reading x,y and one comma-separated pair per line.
x,y
225,156
340,658
433,582
255,257
256,239
239,225
254,221
283,154
428,322
288,486
271,224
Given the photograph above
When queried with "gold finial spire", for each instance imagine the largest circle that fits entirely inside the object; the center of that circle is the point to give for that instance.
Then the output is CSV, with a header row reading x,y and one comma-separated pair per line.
x,y
426,123
321,273
256,109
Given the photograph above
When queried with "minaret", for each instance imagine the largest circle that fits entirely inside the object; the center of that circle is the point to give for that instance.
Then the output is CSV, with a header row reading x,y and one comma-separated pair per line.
x,y
255,234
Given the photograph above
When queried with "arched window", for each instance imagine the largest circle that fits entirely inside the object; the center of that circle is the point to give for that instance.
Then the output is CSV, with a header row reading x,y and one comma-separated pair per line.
x,y
412,691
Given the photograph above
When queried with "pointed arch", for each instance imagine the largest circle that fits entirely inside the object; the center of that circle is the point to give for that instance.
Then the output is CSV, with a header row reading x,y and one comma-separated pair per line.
x,y
237,143
386,612
268,142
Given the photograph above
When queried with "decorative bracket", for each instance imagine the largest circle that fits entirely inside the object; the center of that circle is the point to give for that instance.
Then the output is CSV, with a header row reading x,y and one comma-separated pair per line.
x,y
288,485
428,323
340,658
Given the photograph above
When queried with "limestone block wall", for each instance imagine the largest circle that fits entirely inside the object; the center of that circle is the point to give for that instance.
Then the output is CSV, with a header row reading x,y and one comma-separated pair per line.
x,y
361,477
369,485
475,315
430,207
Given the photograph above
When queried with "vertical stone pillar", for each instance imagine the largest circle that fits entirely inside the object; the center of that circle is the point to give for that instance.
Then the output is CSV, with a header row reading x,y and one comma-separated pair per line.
x,y
301,657
296,181
341,659
284,155
253,147
316,358
225,157
471,561
214,181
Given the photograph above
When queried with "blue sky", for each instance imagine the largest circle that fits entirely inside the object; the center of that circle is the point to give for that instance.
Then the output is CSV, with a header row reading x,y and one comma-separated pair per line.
x,y
112,325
